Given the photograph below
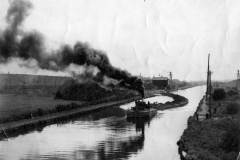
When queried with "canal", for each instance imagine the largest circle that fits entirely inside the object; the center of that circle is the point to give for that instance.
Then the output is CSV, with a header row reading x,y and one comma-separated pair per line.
x,y
106,134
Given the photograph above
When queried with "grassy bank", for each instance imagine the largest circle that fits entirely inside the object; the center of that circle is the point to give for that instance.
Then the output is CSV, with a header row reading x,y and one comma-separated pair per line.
x,y
29,108
15,104
215,138
11,128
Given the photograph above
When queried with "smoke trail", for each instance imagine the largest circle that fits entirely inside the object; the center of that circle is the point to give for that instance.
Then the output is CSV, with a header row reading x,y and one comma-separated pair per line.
x,y
30,45
16,13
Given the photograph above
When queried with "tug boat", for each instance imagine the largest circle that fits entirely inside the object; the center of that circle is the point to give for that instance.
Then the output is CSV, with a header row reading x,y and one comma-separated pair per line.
x,y
141,110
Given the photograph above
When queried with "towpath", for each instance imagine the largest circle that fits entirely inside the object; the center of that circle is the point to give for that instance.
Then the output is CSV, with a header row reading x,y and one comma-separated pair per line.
x,y
203,110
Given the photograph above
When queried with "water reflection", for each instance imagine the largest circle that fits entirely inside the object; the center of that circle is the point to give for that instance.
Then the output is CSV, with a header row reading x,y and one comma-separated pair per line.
x,y
140,123
111,148
114,111
112,137
119,148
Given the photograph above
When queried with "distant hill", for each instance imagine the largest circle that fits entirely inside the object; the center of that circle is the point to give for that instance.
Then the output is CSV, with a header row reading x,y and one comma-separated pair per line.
x,y
31,84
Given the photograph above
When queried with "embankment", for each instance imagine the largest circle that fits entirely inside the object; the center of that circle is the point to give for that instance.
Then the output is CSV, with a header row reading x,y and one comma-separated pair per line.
x,y
213,138
10,128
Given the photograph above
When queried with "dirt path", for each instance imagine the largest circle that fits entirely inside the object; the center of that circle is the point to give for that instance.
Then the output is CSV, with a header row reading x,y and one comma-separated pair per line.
x,y
203,110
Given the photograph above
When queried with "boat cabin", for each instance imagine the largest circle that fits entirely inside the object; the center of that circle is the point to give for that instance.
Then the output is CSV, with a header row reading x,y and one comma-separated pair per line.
x,y
141,105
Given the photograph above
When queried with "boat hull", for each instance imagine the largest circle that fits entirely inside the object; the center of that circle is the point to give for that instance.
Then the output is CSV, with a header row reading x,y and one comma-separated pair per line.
x,y
141,113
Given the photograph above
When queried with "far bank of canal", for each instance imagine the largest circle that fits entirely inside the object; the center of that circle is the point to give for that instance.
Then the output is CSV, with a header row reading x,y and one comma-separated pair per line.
x,y
106,134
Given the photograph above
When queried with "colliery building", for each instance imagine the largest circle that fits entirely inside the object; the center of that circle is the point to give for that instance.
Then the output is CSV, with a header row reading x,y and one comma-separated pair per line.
x,y
161,82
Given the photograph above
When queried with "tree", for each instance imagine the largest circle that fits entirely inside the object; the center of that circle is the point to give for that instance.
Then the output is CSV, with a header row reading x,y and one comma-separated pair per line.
x,y
219,94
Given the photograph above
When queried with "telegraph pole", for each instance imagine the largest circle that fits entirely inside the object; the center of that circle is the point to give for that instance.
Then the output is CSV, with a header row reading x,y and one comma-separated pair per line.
x,y
208,73
209,87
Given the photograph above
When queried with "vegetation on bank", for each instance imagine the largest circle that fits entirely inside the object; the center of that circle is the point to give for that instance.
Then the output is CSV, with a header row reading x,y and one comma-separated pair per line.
x,y
219,94
59,108
217,138
92,91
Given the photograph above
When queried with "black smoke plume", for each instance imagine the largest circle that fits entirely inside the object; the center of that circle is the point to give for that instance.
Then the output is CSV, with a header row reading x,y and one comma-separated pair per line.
x,y
15,43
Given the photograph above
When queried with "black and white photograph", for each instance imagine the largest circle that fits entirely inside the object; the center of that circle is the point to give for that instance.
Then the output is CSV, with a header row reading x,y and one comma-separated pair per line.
x,y
119,80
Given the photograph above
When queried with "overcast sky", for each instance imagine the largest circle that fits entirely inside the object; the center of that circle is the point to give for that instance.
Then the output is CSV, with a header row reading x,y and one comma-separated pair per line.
x,y
152,37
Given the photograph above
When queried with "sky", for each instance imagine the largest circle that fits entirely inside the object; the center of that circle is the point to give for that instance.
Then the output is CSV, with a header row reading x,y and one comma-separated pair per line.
x,y
150,38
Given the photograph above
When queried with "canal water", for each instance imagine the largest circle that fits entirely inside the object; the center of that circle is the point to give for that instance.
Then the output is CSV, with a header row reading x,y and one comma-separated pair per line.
x,y
106,134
